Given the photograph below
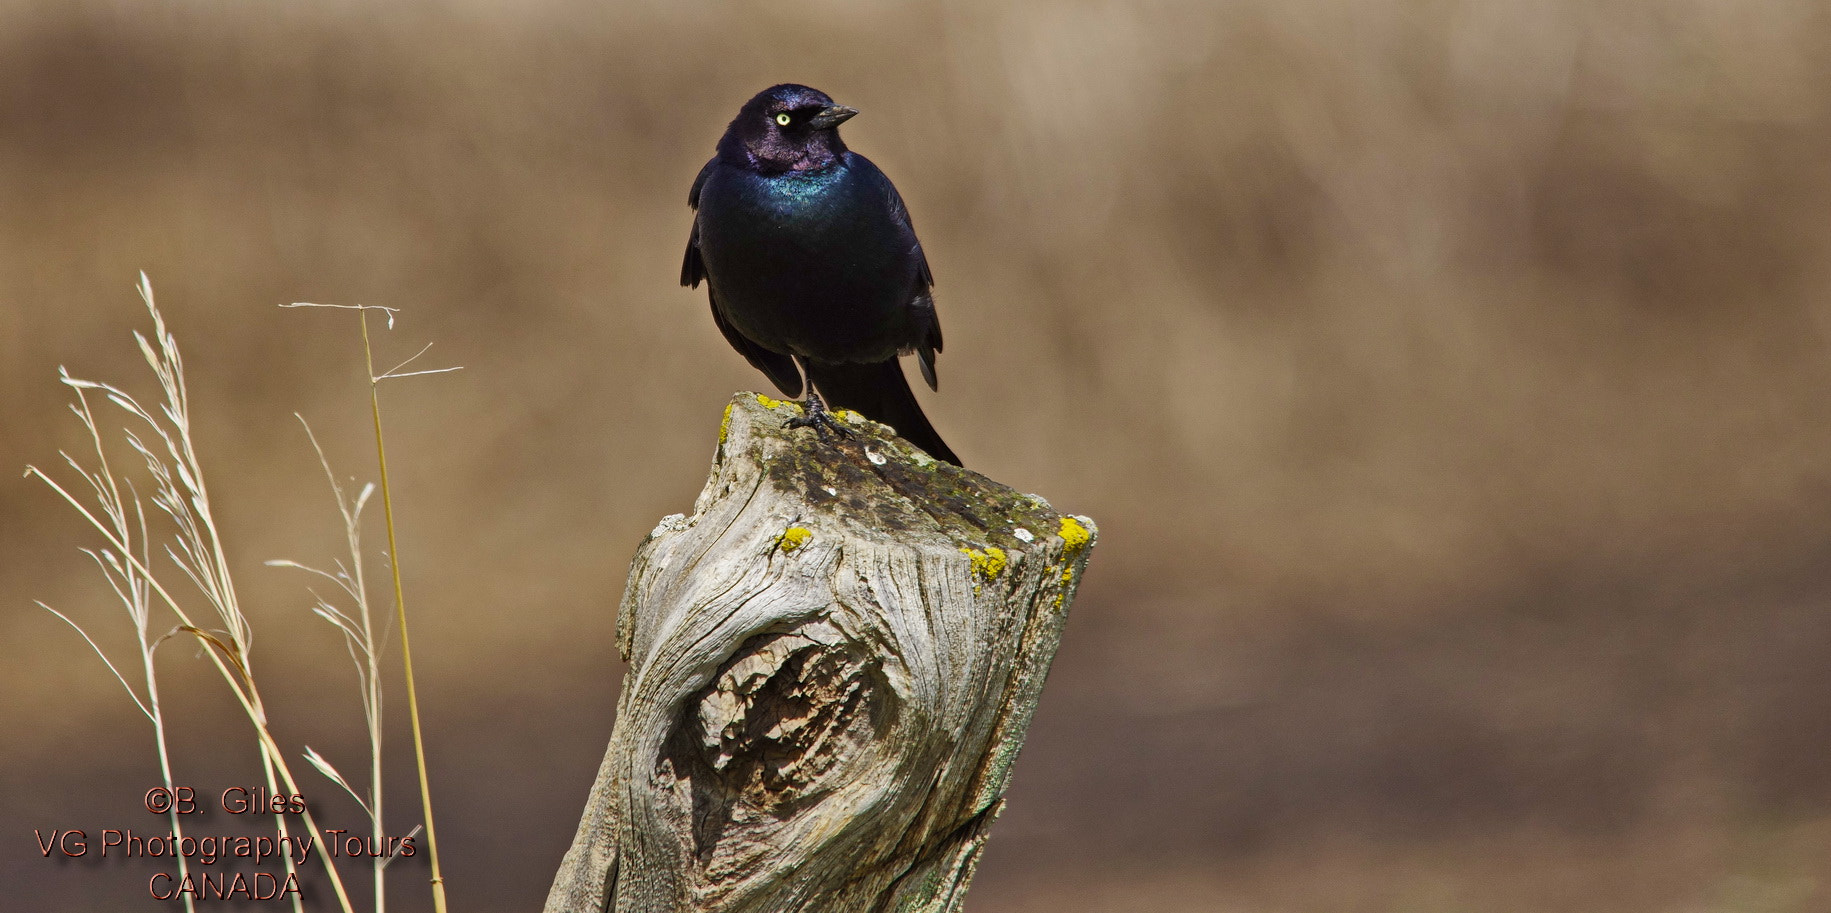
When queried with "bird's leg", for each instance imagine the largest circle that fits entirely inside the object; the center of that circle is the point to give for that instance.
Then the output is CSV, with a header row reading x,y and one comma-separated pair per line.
x,y
814,414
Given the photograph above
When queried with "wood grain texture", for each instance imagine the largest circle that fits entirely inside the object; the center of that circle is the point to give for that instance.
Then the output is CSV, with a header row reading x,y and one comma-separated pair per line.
x,y
832,665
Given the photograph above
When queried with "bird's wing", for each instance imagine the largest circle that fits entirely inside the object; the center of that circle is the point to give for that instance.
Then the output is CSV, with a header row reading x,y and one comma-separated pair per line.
x,y
919,298
924,304
700,181
900,214
779,368
692,268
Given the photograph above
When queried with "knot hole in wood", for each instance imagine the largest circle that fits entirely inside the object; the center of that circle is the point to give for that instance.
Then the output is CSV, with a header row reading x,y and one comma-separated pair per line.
x,y
788,719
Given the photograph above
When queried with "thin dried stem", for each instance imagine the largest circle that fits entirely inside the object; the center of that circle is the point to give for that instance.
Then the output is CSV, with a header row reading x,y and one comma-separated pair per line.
x,y
362,646
400,606
198,550
360,639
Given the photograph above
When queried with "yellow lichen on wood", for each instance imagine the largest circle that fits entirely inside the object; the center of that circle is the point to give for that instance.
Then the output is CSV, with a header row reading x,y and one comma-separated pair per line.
x,y
793,538
771,403
989,563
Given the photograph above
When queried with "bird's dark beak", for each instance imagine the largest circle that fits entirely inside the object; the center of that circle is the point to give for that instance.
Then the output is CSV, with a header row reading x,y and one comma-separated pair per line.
x,y
831,116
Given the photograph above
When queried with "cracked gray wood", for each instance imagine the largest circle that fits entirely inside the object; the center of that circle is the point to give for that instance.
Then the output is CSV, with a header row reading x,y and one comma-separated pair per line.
x,y
832,665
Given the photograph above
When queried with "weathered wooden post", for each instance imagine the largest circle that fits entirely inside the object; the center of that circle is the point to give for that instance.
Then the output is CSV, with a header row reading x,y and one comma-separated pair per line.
x,y
832,665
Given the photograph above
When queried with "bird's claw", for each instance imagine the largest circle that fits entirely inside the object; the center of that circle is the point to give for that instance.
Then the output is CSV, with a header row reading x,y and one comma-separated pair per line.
x,y
814,415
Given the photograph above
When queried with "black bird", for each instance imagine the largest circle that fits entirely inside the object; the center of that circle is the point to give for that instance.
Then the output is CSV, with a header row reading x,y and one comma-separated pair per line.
x,y
810,260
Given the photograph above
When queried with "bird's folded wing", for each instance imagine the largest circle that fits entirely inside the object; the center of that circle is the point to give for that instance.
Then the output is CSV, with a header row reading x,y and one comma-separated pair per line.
x,y
780,368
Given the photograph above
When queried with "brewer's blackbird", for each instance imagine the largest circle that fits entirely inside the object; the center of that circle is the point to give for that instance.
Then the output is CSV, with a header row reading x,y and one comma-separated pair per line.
x,y
810,259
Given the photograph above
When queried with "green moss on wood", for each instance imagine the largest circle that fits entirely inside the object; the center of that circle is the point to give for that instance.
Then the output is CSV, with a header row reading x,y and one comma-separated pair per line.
x,y
902,490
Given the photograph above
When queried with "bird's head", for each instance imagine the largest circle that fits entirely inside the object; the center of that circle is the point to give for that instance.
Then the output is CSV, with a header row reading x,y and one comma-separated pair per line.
x,y
785,128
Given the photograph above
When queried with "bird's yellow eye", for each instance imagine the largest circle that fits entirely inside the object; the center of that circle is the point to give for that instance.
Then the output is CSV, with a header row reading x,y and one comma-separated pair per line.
x,y
782,119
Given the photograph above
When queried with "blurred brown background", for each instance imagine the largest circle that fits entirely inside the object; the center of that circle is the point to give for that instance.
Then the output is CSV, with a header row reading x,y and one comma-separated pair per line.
x,y
1450,381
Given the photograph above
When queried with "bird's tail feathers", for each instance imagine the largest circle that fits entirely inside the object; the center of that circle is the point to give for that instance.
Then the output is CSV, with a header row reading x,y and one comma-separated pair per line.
x,y
879,391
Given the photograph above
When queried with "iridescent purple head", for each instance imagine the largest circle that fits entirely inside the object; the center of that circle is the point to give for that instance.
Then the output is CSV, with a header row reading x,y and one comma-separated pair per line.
x,y
785,128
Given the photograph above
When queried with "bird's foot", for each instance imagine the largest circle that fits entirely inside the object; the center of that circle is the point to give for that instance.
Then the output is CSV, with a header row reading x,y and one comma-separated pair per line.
x,y
814,415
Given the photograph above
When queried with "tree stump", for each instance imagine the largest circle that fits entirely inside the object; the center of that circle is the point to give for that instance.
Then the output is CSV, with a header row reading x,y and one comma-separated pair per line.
x,y
832,665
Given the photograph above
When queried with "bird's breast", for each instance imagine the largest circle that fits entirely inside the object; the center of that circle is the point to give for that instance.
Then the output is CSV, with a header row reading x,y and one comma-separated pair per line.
x,y
810,263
